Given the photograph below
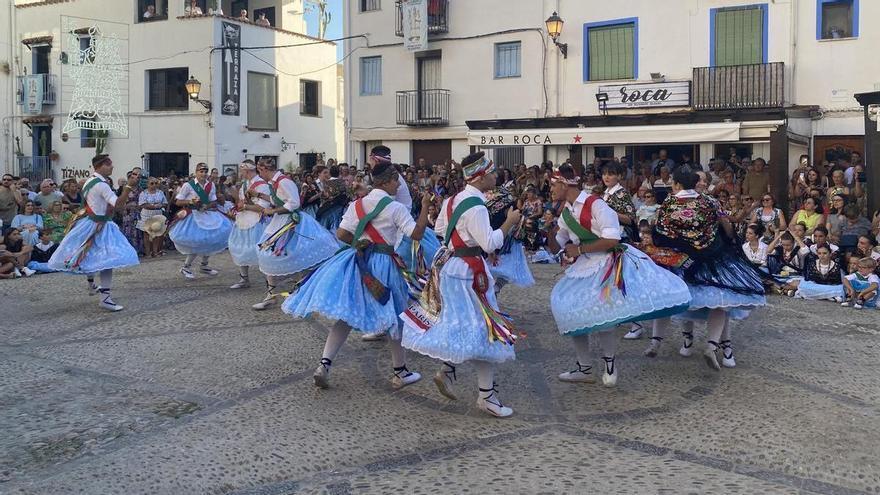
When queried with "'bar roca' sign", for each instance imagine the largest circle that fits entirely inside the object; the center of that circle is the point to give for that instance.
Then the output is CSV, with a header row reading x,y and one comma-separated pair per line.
x,y
662,94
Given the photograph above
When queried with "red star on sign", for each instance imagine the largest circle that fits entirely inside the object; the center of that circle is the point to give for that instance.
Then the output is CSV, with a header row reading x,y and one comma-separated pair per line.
x,y
577,138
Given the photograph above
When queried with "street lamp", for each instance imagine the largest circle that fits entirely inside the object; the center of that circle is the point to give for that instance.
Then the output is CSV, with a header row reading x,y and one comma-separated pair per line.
x,y
554,29
193,88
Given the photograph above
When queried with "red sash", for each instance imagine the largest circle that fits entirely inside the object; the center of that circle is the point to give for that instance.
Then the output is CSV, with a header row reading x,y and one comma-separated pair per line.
x,y
475,263
586,216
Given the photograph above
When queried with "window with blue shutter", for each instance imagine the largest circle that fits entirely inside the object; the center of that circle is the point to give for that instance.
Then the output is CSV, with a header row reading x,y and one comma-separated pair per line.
x,y
611,50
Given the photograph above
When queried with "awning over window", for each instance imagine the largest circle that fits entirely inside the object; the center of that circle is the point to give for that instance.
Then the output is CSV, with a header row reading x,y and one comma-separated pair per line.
x,y
721,132
38,40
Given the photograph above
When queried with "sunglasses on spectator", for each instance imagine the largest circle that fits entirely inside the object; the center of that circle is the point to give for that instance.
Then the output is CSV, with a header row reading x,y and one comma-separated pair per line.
x,y
766,199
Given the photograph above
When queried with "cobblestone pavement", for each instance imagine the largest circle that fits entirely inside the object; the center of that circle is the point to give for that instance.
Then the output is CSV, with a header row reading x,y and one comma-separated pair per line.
x,y
190,391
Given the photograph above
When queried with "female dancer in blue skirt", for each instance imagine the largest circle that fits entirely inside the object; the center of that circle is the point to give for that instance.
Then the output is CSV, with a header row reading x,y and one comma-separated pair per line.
x,y
363,287
93,243
408,250
606,284
469,326
199,230
292,242
249,221
692,230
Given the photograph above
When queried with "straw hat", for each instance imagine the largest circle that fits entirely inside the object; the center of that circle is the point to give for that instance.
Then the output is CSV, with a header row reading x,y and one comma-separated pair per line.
x,y
155,226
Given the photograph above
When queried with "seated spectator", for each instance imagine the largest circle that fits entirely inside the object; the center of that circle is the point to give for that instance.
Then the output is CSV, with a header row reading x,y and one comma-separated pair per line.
x,y
799,231
836,217
754,248
809,215
861,285
819,238
56,220
854,227
71,196
822,277
769,216
663,185
47,195
648,211
29,224
866,247
43,250
783,256
15,252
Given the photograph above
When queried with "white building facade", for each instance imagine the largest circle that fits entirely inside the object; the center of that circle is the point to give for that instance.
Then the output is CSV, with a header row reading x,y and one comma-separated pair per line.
x,y
704,77
265,91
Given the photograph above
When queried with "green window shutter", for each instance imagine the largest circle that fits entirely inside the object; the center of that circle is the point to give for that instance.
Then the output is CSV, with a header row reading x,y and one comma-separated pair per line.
x,y
612,52
739,38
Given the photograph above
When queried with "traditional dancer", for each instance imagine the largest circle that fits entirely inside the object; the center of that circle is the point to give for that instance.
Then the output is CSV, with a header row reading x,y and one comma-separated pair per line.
x,y
292,242
416,256
363,288
721,280
508,264
93,243
249,221
334,198
469,326
607,284
199,229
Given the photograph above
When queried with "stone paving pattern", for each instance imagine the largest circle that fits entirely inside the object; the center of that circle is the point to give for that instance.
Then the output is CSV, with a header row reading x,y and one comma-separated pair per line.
x,y
188,391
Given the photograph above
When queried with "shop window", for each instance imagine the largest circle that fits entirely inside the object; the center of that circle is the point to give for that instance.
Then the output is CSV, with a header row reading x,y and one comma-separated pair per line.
x,y
509,156
837,19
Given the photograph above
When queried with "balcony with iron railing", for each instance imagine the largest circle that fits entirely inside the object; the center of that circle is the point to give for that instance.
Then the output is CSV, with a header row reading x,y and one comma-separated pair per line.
x,y
739,87
35,168
39,88
438,17
423,107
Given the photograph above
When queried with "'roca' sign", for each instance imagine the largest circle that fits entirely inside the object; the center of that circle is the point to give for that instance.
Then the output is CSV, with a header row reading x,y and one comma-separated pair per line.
x,y
664,94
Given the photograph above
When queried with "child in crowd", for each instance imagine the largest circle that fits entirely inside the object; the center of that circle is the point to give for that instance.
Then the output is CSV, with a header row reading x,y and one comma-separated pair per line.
x,y
648,211
861,285
43,250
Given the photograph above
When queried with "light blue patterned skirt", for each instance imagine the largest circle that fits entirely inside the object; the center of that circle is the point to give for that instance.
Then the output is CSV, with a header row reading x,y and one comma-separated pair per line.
x,y
331,219
243,244
311,210
706,296
336,291
513,267
429,244
651,292
109,250
201,232
308,245
814,291
460,333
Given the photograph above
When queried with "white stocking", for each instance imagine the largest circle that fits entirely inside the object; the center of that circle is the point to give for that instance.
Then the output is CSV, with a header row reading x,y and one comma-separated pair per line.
x,y
335,339
581,345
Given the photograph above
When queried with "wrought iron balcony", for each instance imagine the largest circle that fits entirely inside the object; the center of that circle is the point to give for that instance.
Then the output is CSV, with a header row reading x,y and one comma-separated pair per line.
x,y
423,107
438,17
739,87
35,168
36,88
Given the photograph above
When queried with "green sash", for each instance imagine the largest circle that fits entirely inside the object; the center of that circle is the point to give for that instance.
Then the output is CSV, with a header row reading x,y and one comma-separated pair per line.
x,y
584,235
85,195
362,224
462,207
200,191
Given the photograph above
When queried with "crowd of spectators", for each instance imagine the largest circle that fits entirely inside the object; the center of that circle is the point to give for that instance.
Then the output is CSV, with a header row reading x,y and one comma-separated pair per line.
x,y
826,207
